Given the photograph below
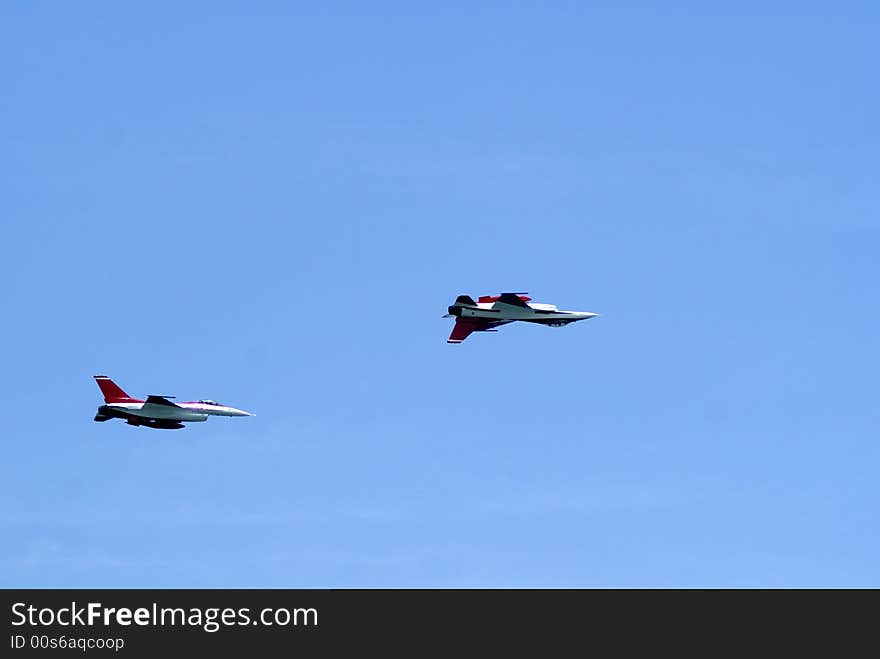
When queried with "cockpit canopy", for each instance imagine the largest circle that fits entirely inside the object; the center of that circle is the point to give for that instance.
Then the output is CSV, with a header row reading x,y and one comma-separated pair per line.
x,y
208,401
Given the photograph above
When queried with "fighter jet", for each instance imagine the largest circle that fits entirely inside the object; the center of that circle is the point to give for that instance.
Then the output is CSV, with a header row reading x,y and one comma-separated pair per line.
x,y
492,311
156,411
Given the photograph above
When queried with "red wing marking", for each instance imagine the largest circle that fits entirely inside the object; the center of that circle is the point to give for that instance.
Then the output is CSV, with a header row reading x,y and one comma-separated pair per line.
x,y
495,298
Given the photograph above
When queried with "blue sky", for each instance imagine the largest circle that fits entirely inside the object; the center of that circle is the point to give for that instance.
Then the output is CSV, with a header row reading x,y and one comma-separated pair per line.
x,y
272,206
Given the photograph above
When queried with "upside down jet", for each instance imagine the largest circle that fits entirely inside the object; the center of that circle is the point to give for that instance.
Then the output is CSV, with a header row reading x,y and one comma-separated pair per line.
x,y
156,411
492,311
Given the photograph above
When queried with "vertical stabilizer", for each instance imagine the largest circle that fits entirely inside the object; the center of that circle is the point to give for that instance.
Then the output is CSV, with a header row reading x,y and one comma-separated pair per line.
x,y
112,392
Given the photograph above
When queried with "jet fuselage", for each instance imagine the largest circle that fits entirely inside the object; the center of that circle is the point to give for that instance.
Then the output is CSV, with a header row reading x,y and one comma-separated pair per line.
x,y
535,312
156,411
493,311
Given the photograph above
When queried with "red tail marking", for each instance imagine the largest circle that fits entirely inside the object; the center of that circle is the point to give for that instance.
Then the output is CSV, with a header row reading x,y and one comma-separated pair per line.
x,y
112,392
463,328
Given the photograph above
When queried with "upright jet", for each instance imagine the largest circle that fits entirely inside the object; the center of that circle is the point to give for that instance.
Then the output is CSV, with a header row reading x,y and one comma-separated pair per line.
x,y
491,311
155,411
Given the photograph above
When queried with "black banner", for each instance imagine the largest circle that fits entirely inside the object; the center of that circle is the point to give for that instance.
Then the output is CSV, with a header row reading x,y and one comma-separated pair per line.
x,y
149,622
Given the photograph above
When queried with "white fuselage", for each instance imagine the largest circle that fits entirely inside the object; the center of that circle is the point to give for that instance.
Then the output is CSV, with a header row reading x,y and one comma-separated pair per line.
x,y
178,412
531,313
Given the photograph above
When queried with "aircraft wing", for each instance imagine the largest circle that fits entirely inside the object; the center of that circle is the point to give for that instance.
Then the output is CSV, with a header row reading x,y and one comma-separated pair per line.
x,y
157,404
510,299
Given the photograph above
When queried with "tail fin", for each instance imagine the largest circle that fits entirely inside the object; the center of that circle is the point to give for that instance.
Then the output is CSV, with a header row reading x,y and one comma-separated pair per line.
x,y
112,392
465,299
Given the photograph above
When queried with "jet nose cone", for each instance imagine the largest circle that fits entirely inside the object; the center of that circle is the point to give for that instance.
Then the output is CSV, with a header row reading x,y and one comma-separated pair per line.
x,y
236,412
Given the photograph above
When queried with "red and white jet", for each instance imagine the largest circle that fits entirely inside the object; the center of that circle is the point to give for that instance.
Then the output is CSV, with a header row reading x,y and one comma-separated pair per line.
x,y
155,411
491,311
